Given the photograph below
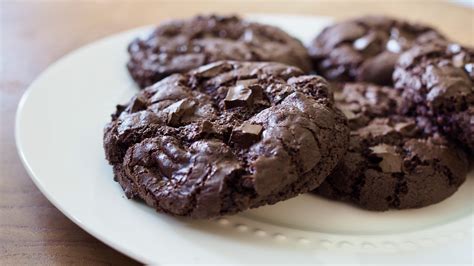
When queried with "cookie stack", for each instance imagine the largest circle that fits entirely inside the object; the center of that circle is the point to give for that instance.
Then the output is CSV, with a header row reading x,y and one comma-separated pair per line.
x,y
230,117
410,111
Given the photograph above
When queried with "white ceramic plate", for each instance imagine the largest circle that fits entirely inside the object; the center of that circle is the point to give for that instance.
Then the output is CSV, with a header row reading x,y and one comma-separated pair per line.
x,y
59,137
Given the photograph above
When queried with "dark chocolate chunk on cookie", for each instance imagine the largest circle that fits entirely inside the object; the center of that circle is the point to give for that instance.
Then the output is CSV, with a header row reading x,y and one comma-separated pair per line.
x,y
226,137
181,45
365,48
437,82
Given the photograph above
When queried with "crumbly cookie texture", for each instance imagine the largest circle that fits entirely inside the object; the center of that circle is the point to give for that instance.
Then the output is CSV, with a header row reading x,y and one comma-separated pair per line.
x,y
226,137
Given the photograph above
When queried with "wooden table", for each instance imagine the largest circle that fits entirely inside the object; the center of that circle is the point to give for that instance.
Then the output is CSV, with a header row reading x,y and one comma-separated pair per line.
x,y
33,35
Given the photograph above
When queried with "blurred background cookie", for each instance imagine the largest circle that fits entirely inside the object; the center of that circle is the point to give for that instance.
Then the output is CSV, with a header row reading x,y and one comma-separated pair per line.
x,y
181,45
366,48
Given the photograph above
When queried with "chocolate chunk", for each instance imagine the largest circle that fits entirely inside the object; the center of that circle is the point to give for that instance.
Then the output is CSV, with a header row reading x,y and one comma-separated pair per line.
x,y
391,161
247,82
178,110
238,95
378,69
207,127
138,103
212,70
406,128
378,127
246,134
247,128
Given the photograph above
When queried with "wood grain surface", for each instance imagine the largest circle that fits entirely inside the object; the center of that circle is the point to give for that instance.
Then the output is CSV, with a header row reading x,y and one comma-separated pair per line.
x,y
34,34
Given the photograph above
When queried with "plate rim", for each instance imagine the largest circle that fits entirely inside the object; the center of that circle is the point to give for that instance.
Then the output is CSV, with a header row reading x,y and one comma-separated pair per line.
x,y
31,174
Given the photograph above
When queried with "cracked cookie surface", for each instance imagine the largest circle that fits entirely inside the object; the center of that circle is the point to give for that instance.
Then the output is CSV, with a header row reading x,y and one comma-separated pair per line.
x,y
226,137
181,45
365,48
361,102
391,161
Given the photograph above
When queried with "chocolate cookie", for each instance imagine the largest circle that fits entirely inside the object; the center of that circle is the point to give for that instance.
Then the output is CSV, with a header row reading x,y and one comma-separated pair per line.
x,y
362,102
181,45
365,48
437,82
389,164
226,137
